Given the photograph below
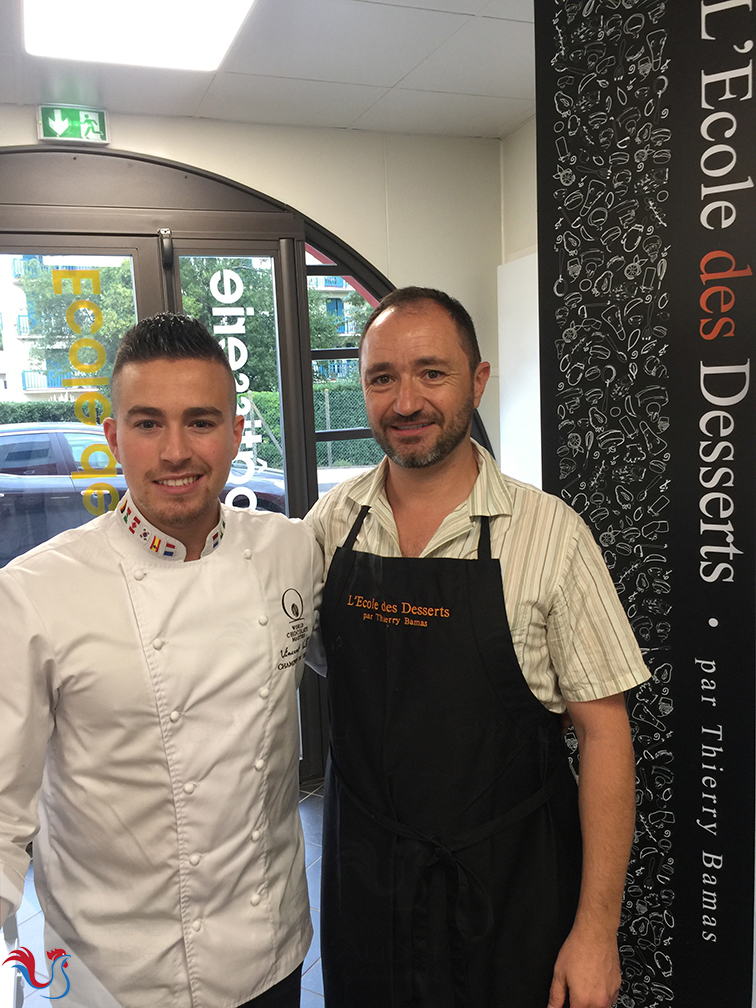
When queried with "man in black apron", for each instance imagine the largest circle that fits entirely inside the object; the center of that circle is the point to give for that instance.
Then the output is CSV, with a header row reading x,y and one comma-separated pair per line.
x,y
454,871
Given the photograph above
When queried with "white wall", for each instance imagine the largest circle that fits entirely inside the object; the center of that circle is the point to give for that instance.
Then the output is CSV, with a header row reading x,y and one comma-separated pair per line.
x,y
518,192
423,210
519,379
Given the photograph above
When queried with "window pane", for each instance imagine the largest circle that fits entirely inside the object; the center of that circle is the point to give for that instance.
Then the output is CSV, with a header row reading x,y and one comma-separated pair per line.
x,y
315,258
339,403
233,296
336,321
63,316
338,460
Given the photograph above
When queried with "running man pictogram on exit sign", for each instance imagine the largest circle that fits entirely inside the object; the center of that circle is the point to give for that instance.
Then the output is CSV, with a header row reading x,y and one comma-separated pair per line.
x,y
70,122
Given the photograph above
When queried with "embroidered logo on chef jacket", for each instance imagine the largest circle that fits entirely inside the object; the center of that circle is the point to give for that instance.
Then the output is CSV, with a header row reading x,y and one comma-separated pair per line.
x,y
23,960
292,604
298,632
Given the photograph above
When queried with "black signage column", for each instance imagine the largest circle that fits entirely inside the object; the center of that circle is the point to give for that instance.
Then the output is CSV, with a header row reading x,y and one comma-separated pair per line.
x,y
647,246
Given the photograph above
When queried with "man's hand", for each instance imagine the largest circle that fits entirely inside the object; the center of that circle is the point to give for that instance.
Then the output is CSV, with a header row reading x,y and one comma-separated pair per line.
x,y
588,969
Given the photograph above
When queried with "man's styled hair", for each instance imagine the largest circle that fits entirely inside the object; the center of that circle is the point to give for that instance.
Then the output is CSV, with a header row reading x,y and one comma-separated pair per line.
x,y
168,337
407,297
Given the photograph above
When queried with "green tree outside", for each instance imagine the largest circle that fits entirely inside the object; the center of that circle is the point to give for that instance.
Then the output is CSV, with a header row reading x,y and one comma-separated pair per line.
x,y
46,312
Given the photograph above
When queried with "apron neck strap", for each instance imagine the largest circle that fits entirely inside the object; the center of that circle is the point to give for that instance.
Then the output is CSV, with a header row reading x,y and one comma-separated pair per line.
x,y
355,529
484,540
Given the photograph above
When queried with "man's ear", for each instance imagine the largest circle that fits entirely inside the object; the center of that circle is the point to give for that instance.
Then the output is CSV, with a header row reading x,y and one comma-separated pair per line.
x,y
238,430
110,429
480,380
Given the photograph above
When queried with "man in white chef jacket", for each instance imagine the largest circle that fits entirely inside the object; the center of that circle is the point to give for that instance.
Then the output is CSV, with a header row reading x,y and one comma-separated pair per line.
x,y
149,739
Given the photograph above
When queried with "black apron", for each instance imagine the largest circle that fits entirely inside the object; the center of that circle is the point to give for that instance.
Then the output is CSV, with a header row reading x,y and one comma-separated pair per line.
x,y
451,839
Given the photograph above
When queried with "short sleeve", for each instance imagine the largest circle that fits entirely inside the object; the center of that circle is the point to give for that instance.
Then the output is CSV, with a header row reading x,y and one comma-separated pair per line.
x,y
593,650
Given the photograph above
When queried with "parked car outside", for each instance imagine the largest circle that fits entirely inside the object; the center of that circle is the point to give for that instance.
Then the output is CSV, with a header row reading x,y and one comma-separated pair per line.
x,y
40,495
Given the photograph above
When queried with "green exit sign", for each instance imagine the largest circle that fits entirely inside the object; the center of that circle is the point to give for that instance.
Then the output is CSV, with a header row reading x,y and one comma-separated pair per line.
x,y
70,122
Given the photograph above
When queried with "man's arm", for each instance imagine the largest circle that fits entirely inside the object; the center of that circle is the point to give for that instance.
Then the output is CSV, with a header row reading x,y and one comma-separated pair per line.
x,y
588,963
26,720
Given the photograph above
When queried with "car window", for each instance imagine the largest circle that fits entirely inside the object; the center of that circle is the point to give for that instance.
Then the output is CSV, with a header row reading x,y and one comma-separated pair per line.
x,y
27,455
79,441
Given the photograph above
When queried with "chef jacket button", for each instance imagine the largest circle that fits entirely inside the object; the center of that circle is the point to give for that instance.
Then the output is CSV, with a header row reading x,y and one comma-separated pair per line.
x,y
260,764
189,788
158,643
196,925
175,715
262,620
195,859
255,835
265,692
256,899
139,575
247,554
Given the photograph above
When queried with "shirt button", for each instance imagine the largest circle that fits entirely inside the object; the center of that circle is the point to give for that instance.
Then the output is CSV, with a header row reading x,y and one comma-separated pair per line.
x,y
195,859
262,620
189,788
260,764
139,575
158,643
247,554
255,835
175,715
255,900
265,692
196,925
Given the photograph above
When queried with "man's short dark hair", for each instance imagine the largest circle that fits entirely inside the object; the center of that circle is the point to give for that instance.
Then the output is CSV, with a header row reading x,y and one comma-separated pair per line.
x,y
168,337
406,297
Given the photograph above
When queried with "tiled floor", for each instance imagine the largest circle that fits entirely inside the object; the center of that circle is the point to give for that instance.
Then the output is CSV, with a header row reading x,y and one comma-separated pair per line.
x,y
30,921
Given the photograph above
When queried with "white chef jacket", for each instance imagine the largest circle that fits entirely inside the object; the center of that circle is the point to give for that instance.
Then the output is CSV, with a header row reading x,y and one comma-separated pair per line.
x,y
149,709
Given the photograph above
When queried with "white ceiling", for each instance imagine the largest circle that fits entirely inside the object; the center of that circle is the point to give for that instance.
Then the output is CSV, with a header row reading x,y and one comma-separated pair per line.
x,y
450,67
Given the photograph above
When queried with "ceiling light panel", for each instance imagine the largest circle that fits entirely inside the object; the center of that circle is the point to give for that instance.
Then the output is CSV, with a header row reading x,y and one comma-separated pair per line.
x,y
174,34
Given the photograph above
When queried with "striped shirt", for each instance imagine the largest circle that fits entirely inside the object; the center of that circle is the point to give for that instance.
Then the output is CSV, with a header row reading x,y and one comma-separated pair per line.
x,y
570,633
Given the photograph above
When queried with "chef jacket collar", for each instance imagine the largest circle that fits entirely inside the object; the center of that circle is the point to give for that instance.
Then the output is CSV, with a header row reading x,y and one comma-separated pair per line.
x,y
157,543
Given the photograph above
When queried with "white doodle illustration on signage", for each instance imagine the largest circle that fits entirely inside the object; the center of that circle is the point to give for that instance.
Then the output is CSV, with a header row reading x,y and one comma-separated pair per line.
x,y
610,154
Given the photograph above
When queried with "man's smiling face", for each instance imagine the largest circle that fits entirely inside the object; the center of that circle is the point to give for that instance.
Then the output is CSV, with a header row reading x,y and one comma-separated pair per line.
x,y
175,435
420,392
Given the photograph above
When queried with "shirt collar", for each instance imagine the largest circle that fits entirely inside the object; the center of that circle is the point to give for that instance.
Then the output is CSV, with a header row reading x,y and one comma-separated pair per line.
x,y
157,543
489,495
